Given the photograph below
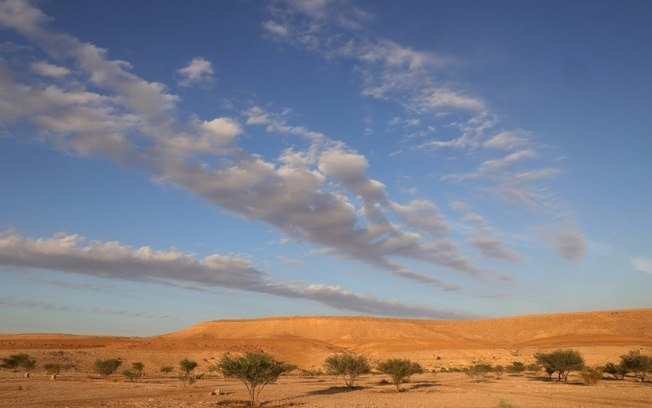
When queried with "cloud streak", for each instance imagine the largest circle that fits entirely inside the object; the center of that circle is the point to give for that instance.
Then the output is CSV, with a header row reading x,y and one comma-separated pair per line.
x,y
73,254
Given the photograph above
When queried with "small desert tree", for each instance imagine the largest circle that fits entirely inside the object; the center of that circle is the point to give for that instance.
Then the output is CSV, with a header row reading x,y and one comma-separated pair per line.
x,y
515,368
346,365
618,371
21,360
400,370
186,368
254,369
135,372
637,363
166,369
561,362
53,369
107,367
478,371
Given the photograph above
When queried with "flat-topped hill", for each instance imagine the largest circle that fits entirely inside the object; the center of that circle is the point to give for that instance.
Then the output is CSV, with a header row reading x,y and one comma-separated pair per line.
x,y
594,328
306,341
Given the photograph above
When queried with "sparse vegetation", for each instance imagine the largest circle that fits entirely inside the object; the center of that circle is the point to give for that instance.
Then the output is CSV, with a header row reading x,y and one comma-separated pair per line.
x,y
135,372
478,372
107,367
347,366
561,362
618,371
499,370
254,370
400,370
591,376
505,404
21,360
186,368
637,363
516,368
166,369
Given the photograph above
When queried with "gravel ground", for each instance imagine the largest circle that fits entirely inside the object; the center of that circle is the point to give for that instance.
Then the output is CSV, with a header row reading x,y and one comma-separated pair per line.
x,y
428,390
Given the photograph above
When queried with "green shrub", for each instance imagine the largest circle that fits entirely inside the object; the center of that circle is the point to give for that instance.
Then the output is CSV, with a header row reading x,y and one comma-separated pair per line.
x,y
591,376
499,370
166,369
254,370
561,362
515,368
107,367
400,370
505,404
618,371
348,366
478,371
21,360
637,363
186,368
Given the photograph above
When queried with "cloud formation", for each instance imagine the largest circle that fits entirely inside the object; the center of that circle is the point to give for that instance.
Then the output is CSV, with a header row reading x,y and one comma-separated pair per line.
x,y
73,254
642,264
198,71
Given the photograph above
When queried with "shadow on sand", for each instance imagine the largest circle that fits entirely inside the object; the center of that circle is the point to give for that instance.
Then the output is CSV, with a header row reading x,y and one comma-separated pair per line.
x,y
333,390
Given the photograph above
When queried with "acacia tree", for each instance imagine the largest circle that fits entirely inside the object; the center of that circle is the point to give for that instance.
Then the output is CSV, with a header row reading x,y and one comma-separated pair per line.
x,y
348,366
107,367
561,362
135,372
254,369
637,363
185,371
21,360
400,370
618,371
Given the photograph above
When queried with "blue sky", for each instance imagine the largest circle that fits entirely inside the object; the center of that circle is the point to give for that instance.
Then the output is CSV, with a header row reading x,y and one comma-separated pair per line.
x,y
165,163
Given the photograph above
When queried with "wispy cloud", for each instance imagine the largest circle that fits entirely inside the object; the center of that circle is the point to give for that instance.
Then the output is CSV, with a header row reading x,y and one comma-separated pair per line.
x,y
568,242
72,254
50,306
321,195
420,83
492,247
642,264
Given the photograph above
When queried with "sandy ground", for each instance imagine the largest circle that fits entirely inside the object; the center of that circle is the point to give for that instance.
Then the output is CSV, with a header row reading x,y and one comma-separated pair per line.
x,y
601,337
427,390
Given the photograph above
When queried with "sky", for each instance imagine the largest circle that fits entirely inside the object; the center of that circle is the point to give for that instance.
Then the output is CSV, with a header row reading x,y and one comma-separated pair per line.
x,y
167,163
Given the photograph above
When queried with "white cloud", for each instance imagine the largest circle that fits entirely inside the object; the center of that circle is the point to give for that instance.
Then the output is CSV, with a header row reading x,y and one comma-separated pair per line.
x,y
72,254
491,165
492,247
276,28
290,193
446,98
49,70
422,215
642,264
507,140
198,71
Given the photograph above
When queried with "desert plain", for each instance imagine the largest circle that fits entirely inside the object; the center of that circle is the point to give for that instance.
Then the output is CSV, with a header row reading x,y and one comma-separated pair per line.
x,y
440,346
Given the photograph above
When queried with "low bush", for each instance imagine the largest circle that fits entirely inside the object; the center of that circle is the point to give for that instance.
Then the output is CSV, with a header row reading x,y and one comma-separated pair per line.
x,y
107,367
590,375
478,371
400,370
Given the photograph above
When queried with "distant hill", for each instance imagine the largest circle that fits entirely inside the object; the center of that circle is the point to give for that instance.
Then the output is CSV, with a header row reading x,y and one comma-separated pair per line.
x,y
306,341
567,329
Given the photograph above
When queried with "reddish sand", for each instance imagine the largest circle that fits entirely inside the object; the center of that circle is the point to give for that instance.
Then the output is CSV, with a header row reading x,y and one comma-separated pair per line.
x,y
306,341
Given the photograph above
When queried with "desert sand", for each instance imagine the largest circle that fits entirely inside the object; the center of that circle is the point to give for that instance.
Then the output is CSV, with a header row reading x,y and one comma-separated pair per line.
x,y
305,341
